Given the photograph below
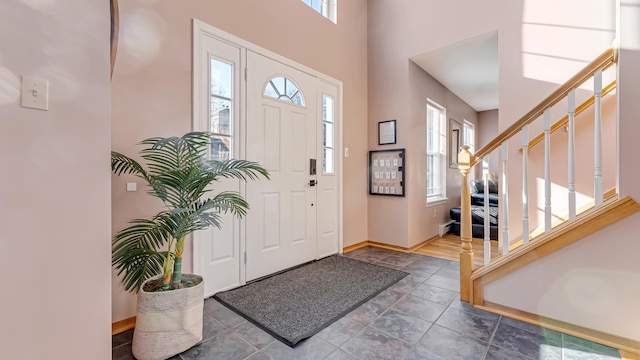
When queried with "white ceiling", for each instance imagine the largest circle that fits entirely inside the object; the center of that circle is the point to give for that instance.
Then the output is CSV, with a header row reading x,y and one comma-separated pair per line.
x,y
468,68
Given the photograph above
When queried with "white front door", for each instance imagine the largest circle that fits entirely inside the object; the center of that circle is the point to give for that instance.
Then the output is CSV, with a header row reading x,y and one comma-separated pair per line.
x,y
281,135
290,221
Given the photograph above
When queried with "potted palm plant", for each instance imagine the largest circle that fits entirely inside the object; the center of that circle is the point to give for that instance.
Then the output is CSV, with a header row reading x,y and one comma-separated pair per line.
x,y
148,253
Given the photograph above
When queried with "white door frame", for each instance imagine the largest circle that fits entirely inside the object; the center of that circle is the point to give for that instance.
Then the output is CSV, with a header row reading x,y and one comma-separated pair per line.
x,y
202,29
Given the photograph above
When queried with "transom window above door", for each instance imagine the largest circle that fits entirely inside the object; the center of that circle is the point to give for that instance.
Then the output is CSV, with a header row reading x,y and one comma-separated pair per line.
x,y
284,89
328,8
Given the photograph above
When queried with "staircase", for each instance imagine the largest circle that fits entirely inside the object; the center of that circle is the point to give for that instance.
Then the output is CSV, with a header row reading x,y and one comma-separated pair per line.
x,y
563,235
551,236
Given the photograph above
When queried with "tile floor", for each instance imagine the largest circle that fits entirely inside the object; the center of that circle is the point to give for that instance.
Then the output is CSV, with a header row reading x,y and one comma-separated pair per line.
x,y
420,317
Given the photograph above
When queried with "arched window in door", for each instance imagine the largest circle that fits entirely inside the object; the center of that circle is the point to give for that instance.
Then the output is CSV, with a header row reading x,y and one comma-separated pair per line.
x,y
284,89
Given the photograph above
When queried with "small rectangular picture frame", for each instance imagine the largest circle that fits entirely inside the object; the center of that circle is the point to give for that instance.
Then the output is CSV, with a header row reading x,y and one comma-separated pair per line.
x,y
387,132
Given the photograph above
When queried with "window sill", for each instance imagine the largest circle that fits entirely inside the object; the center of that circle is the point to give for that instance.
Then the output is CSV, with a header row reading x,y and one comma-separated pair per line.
x,y
437,201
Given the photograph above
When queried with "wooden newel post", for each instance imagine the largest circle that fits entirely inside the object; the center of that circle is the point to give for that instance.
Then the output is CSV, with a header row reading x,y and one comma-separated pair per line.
x,y
466,251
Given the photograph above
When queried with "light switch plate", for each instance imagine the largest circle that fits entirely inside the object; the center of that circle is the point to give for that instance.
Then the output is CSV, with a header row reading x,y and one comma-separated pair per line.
x,y
132,186
35,93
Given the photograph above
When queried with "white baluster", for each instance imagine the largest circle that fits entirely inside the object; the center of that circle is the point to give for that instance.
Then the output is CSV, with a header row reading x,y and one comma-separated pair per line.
x,y
487,228
525,185
571,165
505,202
598,193
547,170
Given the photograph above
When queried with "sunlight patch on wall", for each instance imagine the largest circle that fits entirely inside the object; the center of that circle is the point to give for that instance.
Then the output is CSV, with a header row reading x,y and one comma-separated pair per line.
x,y
590,14
141,34
557,41
559,203
595,298
549,69
9,87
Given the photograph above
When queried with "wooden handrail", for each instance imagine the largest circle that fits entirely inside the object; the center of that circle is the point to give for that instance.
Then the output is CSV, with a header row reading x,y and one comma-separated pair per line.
x,y
603,61
565,119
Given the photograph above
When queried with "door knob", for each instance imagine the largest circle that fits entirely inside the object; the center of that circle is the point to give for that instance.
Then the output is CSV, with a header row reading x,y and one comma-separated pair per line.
x,y
313,183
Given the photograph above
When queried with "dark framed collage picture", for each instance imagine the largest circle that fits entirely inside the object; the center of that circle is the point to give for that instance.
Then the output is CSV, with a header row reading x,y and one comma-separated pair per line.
x,y
386,172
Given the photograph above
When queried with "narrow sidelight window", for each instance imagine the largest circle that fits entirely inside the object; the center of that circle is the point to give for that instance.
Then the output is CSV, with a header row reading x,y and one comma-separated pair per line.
x,y
328,135
221,109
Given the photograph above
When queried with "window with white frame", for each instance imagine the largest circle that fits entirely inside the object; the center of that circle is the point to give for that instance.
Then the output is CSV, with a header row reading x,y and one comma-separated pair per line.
x,y
221,109
328,8
436,153
469,136
469,139
328,134
284,89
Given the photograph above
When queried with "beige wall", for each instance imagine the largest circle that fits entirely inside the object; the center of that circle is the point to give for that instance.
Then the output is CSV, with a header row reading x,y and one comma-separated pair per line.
x,y
152,85
591,283
487,126
487,130
628,104
423,220
55,196
407,221
398,89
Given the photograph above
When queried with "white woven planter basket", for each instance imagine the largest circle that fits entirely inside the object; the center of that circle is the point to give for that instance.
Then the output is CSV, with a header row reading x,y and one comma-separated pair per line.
x,y
167,322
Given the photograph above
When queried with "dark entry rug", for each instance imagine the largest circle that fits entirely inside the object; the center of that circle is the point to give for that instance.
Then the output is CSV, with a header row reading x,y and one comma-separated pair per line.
x,y
296,304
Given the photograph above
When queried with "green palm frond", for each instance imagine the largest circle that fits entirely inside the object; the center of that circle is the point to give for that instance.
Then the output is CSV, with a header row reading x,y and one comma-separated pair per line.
x,y
238,169
174,153
122,164
177,171
136,249
147,233
141,265
228,202
207,212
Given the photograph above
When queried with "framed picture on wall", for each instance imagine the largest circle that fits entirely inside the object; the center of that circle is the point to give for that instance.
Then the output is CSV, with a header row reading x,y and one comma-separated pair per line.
x,y
386,172
387,132
455,141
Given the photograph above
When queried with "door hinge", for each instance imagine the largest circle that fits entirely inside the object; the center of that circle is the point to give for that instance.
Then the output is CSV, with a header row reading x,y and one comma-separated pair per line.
x,y
245,73
245,257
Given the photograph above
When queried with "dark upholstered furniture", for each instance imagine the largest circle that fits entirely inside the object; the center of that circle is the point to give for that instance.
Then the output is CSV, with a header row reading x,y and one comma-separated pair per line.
x,y
478,212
